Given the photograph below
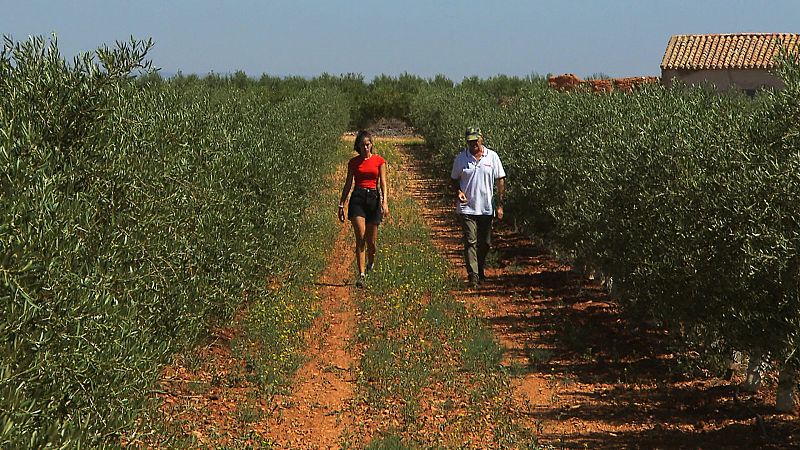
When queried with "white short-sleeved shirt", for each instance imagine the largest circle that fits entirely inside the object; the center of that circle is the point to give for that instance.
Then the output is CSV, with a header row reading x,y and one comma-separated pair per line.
x,y
476,179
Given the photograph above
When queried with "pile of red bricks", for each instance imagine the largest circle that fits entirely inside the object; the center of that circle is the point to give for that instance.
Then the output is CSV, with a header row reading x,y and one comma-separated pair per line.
x,y
630,83
570,81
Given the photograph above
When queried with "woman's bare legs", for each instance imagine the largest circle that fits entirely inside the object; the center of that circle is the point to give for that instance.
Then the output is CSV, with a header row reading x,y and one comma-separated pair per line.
x,y
371,237
359,229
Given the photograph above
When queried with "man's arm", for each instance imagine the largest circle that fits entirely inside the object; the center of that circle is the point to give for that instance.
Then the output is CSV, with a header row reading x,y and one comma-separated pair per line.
x,y
456,185
501,197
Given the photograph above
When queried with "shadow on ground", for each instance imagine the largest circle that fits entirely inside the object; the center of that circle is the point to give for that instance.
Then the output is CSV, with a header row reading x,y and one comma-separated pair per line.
x,y
614,383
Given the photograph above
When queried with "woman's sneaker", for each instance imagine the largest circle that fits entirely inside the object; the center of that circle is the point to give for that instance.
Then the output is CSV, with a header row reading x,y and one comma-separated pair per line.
x,y
360,280
370,267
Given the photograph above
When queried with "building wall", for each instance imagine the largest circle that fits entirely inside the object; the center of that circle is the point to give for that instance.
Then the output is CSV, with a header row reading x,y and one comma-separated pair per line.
x,y
750,79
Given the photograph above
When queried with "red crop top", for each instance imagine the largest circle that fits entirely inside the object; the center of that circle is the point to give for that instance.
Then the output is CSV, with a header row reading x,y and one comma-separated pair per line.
x,y
366,171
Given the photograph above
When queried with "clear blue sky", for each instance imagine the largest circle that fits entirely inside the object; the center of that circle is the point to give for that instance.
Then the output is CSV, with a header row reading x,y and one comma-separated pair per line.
x,y
457,38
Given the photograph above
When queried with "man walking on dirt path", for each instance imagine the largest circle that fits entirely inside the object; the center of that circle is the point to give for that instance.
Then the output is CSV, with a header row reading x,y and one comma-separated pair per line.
x,y
475,172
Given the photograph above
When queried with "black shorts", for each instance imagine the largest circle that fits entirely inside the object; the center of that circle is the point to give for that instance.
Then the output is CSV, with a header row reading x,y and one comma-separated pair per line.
x,y
365,203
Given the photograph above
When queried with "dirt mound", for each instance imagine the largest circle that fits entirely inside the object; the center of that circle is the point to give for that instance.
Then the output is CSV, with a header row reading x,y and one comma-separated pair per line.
x,y
564,82
390,128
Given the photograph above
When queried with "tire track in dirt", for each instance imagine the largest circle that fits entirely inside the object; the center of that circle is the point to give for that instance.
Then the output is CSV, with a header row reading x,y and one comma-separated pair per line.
x,y
585,377
319,410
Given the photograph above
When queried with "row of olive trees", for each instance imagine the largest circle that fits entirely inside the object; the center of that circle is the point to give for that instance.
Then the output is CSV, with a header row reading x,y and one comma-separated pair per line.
x,y
383,97
133,216
688,200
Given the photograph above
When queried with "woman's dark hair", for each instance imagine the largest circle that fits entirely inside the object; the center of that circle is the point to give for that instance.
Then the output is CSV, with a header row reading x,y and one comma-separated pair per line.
x,y
363,134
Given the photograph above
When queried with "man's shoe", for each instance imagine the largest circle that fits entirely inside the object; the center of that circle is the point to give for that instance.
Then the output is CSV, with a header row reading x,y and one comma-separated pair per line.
x,y
360,281
473,280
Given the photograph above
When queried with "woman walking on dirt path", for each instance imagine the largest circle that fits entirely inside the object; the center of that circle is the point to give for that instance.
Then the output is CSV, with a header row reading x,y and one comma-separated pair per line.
x,y
368,202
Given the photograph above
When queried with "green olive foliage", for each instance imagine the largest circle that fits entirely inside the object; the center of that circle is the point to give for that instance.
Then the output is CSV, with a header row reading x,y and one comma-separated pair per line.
x,y
133,216
687,199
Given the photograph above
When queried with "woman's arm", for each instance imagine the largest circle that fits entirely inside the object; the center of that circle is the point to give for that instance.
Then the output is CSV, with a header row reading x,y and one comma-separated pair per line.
x,y
348,183
382,174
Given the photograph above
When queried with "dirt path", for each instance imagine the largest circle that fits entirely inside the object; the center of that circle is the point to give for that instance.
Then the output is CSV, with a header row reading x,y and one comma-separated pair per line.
x,y
317,412
210,401
586,378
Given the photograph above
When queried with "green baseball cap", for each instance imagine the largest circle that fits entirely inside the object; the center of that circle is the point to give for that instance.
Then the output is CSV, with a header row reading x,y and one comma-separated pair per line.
x,y
473,133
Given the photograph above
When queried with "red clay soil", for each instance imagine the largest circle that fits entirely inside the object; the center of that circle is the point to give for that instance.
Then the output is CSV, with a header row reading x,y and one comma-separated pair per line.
x,y
316,410
587,377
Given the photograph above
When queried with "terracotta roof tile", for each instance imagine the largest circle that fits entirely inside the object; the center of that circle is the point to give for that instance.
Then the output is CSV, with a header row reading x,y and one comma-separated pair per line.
x,y
759,51
727,51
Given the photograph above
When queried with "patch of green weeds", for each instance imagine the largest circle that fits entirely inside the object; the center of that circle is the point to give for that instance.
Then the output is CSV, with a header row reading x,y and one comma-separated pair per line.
x,y
198,387
538,356
575,337
192,360
411,410
507,435
514,268
391,442
493,259
566,379
247,413
481,352
436,315
588,354
421,347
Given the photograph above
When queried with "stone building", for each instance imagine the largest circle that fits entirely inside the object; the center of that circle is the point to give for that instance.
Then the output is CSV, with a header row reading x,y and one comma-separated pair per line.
x,y
727,61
